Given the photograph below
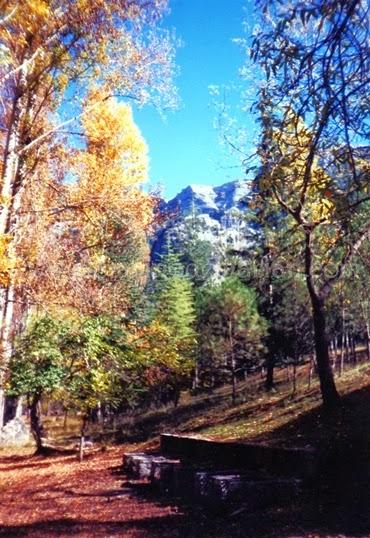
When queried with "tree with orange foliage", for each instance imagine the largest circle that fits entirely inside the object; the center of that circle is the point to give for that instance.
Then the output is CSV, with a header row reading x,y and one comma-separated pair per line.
x,y
95,245
49,52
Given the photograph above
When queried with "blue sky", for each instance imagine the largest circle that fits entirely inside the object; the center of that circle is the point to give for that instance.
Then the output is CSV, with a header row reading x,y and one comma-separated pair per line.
x,y
185,147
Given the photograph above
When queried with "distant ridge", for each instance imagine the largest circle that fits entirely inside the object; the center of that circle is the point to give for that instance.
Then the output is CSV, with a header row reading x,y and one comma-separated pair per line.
x,y
220,214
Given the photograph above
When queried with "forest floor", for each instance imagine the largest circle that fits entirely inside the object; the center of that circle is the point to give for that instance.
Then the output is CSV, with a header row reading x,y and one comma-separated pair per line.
x,y
57,496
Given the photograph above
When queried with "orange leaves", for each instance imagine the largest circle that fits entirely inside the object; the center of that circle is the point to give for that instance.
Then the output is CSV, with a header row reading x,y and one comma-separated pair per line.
x,y
111,169
96,248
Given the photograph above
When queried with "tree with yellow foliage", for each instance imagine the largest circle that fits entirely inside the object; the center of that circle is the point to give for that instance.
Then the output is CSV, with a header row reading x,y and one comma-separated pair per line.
x,y
50,52
313,107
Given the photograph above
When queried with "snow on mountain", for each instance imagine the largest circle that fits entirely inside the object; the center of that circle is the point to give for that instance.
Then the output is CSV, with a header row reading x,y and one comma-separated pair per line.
x,y
219,212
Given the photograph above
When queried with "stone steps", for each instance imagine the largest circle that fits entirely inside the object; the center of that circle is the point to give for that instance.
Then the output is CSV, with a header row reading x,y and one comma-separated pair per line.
x,y
210,484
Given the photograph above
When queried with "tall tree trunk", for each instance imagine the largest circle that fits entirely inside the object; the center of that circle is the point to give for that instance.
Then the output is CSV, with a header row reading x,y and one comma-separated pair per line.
x,y
353,348
233,363
294,377
343,341
270,365
330,396
82,438
335,352
310,371
19,407
6,344
195,383
329,392
35,421
10,184
365,315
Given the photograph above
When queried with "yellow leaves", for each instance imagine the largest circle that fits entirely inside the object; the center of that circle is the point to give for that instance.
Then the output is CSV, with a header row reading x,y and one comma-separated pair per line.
x,y
319,205
35,13
303,188
114,139
7,261
38,8
113,165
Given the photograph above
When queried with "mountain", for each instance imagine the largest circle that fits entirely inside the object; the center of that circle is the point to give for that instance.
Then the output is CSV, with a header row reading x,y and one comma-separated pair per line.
x,y
219,213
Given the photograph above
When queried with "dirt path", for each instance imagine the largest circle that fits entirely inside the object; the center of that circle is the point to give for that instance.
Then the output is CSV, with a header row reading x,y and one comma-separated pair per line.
x,y
59,497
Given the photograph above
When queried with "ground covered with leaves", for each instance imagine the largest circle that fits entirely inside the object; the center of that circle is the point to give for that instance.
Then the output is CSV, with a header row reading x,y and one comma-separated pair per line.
x,y
56,496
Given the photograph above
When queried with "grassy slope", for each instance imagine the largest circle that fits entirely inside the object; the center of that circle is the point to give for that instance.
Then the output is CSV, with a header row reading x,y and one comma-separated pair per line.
x,y
278,418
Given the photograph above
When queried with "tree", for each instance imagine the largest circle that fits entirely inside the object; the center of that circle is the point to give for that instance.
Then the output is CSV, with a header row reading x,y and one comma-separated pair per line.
x,y
162,366
51,51
174,304
96,353
196,254
102,221
313,111
37,368
231,328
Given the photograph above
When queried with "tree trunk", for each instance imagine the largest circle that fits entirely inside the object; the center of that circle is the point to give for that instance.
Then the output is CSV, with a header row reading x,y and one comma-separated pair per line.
x,y
10,184
329,392
6,344
233,363
270,365
332,352
233,395
310,371
353,348
330,396
35,421
294,377
343,341
368,340
19,407
82,439
365,315
348,350
195,383
335,352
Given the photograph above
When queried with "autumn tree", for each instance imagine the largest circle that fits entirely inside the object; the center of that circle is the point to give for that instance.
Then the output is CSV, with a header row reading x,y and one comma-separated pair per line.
x,y
313,109
95,248
50,52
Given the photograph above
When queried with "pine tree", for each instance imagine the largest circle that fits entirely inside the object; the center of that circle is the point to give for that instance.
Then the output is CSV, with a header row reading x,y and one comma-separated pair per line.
x,y
176,307
231,329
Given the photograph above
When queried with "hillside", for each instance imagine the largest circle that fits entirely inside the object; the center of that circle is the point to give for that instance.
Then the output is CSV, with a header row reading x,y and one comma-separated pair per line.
x,y
280,417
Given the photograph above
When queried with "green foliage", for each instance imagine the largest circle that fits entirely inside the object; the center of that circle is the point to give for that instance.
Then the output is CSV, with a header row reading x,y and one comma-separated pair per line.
x,y
174,299
175,308
96,355
232,330
37,364
196,253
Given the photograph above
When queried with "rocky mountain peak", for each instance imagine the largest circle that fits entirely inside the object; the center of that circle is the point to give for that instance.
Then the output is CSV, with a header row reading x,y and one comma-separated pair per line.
x,y
219,211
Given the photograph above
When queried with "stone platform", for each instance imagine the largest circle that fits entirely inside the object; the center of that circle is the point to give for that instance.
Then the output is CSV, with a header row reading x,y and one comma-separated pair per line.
x,y
218,474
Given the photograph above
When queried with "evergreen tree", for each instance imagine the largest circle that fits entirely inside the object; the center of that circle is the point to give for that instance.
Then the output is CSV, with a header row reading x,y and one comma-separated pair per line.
x,y
232,329
174,309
